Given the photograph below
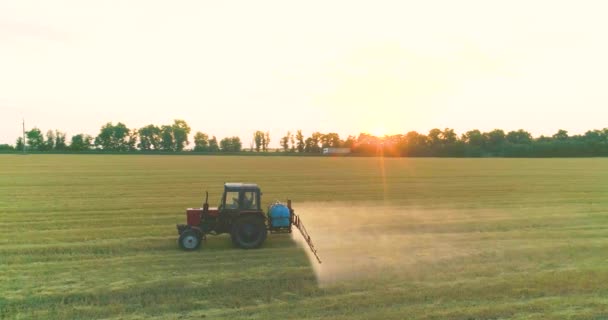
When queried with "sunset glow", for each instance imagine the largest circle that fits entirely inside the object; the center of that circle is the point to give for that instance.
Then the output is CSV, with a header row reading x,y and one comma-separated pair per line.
x,y
387,66
378,132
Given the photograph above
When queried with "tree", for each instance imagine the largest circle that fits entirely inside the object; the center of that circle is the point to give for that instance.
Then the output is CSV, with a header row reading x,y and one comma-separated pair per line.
x,y
448,136
132,140
293,143
258,139
434,137
174,137
300,141
181,130
561,135
166,138
285,141
49,144
201,142
114,137
349,142
213,147
81,142
414,144
368,144
330,140
474,138
593,136
149,138
231,144
225,145
308,145
236,144
519,137
60,140
35,140
19,144
495,138
266,140
311,144
315,140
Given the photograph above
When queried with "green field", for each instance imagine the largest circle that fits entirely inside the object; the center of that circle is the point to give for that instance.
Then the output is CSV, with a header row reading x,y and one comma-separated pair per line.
x,y
93,237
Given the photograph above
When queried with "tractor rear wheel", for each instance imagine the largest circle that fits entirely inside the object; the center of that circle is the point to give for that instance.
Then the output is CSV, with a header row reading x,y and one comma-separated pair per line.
x,y
248,232
189,240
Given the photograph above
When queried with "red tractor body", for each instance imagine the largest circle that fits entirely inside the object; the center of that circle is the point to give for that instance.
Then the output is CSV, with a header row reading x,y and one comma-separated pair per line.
x,y
193,216
240,215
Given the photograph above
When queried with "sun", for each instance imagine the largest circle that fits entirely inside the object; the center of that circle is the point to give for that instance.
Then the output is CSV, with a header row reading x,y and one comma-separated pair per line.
x,y
378,131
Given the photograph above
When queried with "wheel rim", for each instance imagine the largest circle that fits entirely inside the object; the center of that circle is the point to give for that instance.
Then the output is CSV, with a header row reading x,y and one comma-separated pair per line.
x,y
249,233
190,242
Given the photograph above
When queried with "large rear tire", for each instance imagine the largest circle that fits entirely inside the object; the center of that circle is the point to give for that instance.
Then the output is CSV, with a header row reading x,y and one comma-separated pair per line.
x,y
189,240
249,232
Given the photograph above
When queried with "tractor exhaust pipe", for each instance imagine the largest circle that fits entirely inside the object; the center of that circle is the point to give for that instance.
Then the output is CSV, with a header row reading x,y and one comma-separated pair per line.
x,y
206,204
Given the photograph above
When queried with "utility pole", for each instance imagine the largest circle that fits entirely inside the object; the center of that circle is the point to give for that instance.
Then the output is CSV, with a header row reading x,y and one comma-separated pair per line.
x,y
23,141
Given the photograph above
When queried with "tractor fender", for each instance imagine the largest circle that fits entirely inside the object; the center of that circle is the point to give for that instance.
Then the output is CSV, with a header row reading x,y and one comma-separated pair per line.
x,y
183,227
197,229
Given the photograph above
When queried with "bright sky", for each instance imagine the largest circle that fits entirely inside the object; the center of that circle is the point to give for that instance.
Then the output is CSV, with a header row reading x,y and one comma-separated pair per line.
x,y
231,67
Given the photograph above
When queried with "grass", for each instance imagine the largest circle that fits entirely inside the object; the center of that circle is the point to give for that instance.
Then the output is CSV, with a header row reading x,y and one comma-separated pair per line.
x,y
93,237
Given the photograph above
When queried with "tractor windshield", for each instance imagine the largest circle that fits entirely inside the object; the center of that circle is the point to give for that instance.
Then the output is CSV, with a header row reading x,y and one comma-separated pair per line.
x,y
250,200
241,199
232,200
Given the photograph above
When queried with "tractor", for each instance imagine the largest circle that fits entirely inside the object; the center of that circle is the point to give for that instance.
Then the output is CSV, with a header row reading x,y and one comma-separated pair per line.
x,y
239,214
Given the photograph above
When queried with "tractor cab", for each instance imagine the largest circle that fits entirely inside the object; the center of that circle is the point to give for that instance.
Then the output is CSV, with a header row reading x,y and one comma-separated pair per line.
x,y
240,197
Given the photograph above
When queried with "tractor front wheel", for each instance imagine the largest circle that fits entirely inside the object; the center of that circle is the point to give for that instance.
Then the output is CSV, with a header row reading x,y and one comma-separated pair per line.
x,y
248,232
189,240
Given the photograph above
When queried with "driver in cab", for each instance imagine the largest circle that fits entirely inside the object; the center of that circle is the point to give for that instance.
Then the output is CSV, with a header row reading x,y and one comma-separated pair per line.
x,y
248,201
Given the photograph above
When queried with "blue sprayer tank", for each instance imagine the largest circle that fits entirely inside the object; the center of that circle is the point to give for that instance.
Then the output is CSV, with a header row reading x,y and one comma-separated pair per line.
x,y
278,214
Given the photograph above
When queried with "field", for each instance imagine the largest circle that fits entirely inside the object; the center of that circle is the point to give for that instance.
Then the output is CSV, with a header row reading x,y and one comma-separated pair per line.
x,y
93,237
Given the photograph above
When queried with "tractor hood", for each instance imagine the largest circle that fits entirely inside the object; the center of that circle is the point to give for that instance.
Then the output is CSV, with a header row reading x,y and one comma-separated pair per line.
x,y
194,215
212,212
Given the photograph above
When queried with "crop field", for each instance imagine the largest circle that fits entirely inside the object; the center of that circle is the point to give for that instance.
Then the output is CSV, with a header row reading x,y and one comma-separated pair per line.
x,y
93,237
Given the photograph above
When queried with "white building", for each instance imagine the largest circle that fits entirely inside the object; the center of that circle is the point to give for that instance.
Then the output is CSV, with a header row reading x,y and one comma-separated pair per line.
x,y
336,151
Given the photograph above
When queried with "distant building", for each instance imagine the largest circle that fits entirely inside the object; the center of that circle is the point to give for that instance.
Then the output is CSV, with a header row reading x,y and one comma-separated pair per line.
x,y
330,151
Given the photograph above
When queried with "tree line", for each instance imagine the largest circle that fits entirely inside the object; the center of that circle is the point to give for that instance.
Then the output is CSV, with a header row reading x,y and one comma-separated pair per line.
x,y
436,143
494,143
120,138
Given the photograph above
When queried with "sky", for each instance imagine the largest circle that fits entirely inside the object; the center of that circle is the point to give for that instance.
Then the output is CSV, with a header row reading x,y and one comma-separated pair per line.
x,y
232,67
